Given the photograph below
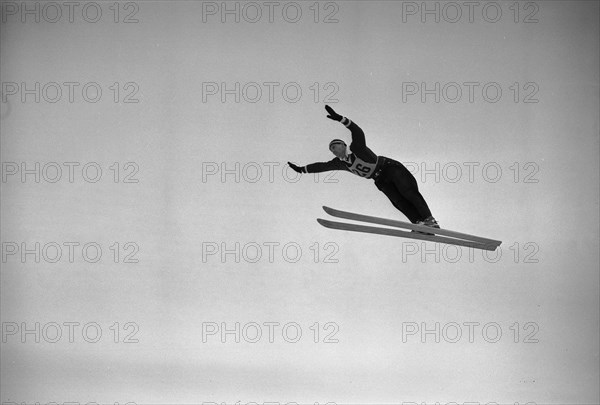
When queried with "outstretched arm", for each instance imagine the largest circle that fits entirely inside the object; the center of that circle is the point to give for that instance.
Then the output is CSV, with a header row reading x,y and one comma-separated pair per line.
x,y
358,136
318,167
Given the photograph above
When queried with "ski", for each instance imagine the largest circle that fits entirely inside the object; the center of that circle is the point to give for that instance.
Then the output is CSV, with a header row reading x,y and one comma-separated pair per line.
x,y
403,234
406,225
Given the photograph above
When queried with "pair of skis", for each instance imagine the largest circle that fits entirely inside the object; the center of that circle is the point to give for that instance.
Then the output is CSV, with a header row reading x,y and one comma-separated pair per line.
x,y
440,235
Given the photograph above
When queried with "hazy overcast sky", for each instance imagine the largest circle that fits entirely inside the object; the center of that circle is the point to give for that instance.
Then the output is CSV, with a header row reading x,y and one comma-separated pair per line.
x,y
161,132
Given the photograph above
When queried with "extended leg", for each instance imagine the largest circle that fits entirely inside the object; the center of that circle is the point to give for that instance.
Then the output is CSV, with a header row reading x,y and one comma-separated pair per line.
x,y
407,186
401,203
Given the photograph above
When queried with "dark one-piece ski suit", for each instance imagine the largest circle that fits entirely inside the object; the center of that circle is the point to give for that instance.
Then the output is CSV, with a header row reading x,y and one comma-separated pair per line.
x,y
390,176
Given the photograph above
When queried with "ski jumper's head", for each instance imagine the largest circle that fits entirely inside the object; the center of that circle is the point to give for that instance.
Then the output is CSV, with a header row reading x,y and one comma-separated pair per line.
x,y
338,148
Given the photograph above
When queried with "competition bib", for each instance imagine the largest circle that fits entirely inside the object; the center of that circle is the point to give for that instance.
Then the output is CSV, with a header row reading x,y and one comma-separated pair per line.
x,y
362,168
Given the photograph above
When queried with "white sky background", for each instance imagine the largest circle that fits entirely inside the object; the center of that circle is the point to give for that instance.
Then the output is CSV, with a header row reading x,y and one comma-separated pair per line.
x,y
376,285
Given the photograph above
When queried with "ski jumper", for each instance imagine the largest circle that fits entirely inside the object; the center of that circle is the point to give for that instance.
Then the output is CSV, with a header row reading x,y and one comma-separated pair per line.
x,y
390,176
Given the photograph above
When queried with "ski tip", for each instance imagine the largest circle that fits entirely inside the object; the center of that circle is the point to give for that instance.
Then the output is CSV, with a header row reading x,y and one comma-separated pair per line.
x,y
323,222
327,209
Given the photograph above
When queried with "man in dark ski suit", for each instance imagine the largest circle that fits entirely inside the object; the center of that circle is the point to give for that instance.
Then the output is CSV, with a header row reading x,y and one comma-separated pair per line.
x,y
391,176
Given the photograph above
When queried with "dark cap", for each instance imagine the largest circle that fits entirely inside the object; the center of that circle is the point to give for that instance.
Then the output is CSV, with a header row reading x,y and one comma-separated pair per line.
x,y
336,141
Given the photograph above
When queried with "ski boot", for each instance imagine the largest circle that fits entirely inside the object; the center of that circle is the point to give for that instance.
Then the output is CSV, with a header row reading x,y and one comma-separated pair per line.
x,y
431,222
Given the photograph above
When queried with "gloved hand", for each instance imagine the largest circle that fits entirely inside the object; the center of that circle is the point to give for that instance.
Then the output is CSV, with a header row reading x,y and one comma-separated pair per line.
x,y
297,169
332,114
